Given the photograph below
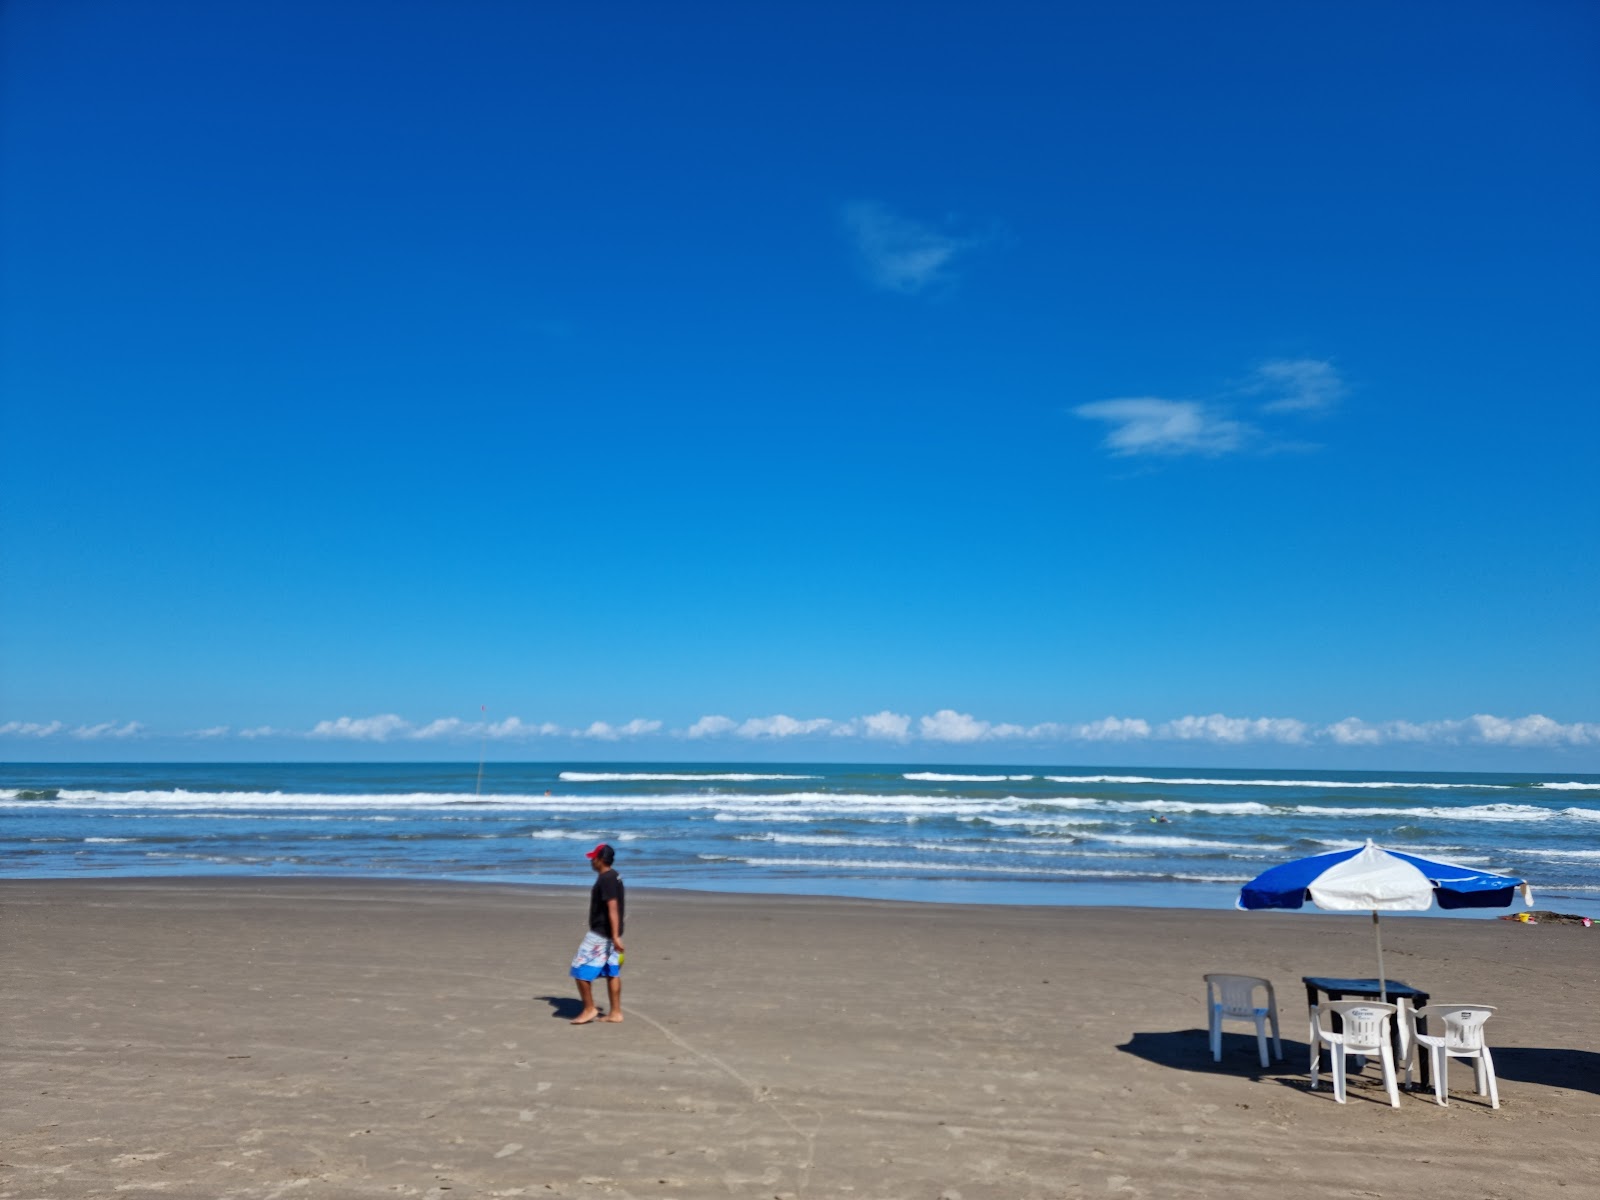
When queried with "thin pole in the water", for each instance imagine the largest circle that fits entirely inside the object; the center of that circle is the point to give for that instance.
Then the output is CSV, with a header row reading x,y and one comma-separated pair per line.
x,y
1383,984
484,743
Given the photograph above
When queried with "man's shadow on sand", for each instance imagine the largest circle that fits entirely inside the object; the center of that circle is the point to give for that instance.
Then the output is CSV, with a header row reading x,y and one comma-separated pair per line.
x,y
1190,1050
563,1007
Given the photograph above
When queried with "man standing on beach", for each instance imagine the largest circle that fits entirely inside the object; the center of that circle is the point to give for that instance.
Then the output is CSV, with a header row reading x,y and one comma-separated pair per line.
x,y
600,955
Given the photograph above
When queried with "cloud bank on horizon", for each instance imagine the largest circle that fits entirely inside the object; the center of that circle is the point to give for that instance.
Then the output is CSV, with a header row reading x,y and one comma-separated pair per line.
x,y
945,727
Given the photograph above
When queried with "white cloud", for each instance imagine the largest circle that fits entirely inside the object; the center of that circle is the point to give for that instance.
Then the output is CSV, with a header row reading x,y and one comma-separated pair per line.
x,y
215,731
781,726
1352,731
1299,385
711,727
899,254
1481,729
1169,428
516,729
1533,730
31,729
605,732
261,731
886,726
1112,729
443,727
362,729
1235,730
107,729
947,725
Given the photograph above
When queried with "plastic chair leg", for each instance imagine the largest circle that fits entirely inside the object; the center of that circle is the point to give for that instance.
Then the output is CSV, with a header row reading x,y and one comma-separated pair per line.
x,y
1216,1036
1261,1037
1316,1049
1441,1076
1488,1070
1387,1058
1338,1073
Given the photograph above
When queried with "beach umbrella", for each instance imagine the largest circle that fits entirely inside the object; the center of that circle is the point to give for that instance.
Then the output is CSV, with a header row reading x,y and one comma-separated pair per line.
x,y
1370,877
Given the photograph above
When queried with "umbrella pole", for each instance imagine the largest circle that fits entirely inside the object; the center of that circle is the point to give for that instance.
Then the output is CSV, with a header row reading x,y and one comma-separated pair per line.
x,y
1383,983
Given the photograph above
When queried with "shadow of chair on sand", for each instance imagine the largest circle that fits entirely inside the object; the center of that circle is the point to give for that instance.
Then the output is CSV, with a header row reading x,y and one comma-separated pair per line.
x,y
1190,1050
563,1007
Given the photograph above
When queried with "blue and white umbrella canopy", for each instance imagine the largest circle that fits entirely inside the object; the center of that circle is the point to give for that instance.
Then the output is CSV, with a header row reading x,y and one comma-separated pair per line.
x,y
1371,878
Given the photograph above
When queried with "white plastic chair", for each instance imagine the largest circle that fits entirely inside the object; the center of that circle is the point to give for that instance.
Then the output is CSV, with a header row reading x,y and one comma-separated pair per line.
x,y
1365,1032
1462,1038
1233,998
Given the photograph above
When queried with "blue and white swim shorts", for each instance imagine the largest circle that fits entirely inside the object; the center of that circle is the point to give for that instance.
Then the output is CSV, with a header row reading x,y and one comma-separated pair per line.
x,y
597,958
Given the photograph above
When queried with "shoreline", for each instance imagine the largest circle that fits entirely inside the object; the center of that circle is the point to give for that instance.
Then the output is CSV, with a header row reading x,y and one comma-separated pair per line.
x,y
981,894
346,1038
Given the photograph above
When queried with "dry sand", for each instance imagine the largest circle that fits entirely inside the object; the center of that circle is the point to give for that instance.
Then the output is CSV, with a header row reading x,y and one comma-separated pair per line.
x,y
326,1038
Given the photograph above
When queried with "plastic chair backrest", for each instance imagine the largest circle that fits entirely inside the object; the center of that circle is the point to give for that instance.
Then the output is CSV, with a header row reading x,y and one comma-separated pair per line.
x,y
1237,993
1463,1023
1366,1023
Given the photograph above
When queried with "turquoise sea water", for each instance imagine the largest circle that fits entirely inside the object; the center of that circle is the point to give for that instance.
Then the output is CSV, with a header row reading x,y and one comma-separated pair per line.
x,y
1164,838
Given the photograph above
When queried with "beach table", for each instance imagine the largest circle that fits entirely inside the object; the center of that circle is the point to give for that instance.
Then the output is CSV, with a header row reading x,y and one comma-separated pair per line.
x,y
1402,995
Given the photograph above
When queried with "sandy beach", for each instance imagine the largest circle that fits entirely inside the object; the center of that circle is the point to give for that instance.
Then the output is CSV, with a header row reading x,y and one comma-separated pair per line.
x,y
343,1038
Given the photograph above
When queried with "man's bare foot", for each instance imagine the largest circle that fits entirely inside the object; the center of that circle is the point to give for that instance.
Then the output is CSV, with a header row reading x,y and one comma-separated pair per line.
x,y
612,1018
585,1017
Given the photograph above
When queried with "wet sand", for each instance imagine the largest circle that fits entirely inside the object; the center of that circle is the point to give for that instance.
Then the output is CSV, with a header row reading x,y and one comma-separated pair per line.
x,y
341,1038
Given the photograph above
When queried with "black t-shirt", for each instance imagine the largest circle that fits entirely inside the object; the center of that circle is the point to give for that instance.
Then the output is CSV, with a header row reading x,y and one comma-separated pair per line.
x,y
607,887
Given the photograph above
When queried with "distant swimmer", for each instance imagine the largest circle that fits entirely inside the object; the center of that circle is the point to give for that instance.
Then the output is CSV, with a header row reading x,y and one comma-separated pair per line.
x,y
1159,821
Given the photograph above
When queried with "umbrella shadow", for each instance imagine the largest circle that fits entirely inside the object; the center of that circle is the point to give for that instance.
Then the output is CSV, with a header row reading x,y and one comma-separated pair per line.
x,y
1552,1066
563,1007
1190,1050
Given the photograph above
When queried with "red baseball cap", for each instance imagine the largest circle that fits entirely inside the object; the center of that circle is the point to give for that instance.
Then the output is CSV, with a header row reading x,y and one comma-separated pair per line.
x,y
603,851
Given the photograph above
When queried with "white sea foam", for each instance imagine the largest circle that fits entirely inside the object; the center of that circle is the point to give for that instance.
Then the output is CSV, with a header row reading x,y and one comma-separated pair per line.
x,y
1476,812
1161,842
873,864
642,777
111,839
935,777
1574,786
1582,814
1559,855
1283,783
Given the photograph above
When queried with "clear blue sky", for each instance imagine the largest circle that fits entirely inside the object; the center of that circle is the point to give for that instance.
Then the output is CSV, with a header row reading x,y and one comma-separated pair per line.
x,y
1025,364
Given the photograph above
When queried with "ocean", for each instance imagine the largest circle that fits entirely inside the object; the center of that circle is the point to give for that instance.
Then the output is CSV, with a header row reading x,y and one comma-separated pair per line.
x,y
992,835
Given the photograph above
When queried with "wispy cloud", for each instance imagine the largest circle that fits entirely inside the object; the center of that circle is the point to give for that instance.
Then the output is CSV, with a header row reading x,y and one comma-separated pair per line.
x,y
900,254
1170,428
108,729
711,727
1240,419
31,729
215,731
1297,385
